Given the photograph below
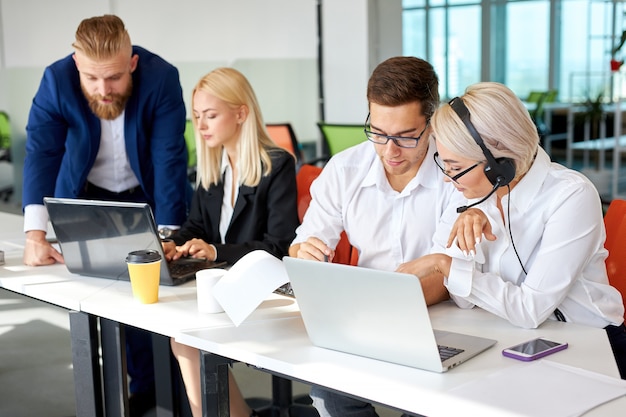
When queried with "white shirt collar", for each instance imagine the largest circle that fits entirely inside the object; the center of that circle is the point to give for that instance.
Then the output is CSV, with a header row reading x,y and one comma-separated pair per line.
x,y
426,176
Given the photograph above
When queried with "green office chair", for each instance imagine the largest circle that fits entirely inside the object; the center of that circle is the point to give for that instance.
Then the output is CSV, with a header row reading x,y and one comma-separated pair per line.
x,y
5,151
551,96
538,115
535,96
190,140
5,137
338,137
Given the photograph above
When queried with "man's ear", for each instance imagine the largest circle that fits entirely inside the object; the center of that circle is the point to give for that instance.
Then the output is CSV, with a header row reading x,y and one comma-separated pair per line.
x,y
133,62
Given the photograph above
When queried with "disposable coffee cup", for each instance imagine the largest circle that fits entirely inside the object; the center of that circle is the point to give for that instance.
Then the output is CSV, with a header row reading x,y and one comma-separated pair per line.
x,y
144,268
205,282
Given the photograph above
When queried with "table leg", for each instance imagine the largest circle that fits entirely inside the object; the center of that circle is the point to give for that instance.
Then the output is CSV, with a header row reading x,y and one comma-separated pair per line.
x,y
282,393
114,368
214,381
164,372
86,364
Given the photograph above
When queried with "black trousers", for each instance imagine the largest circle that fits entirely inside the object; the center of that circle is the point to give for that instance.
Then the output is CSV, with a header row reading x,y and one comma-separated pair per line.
x,y
617,339
138,342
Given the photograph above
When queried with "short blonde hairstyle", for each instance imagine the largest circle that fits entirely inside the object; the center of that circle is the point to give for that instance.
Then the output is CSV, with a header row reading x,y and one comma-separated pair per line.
x,y
500,118
102,37
232,87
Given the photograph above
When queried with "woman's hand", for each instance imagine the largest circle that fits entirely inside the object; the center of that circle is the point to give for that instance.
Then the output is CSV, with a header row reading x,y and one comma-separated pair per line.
x,y
468,230
196,248
169,248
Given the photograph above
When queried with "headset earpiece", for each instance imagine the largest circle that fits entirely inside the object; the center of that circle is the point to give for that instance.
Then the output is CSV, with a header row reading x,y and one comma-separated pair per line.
x,y
500,171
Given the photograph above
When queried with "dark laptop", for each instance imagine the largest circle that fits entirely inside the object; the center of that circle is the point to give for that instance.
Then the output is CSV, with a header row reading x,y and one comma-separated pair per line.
x,y
96,236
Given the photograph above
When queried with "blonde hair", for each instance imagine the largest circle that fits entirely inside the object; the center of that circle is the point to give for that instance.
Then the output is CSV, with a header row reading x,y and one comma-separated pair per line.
x,y
102,37
232,87
500,118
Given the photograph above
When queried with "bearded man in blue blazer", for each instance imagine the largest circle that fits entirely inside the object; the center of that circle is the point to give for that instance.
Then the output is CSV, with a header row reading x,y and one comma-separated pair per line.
x,y
107,123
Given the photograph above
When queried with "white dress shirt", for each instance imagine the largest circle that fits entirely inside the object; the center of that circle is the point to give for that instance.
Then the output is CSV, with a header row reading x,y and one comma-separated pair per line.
x,y
387,227
227,202
558,230
110,171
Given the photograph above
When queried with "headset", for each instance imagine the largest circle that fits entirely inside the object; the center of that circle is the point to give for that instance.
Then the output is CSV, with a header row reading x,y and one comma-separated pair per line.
x,y
499,171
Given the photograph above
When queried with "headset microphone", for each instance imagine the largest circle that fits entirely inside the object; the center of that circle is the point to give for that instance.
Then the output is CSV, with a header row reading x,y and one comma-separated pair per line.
x,y
493,190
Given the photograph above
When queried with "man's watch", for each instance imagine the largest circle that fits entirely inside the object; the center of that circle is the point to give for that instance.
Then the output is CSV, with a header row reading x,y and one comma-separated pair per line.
x,y
165,232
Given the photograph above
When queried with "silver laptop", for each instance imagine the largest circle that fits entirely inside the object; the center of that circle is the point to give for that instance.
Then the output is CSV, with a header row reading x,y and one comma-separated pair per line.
x,y
377,314
96,236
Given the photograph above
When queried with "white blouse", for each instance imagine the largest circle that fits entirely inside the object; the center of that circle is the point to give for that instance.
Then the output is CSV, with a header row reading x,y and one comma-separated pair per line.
x,y
558,230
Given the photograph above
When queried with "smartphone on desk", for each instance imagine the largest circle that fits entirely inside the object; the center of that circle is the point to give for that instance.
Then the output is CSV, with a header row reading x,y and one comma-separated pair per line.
x,y
533,349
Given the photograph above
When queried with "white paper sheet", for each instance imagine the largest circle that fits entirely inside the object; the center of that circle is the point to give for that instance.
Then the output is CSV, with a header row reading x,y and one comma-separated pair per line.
x,y
543,388
248,282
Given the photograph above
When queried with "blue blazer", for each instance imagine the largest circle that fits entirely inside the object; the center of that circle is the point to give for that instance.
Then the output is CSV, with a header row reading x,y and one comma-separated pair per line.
x,y
63,136
265,217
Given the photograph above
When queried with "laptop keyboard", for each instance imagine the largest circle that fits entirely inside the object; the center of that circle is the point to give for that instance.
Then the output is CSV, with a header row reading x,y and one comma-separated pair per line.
x,y
182,269
285,290
185,267
446,352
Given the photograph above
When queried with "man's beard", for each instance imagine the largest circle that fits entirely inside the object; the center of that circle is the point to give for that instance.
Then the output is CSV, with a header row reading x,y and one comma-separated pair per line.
x,y
111,110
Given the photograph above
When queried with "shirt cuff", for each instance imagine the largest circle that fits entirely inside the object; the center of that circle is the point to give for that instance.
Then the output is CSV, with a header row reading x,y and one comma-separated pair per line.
x,y
168,226
35,217
459,282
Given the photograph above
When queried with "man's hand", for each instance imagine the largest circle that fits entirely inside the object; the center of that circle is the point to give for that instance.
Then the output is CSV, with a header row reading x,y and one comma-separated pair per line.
x,y
38,251
313,249
436,263
468,230
430,269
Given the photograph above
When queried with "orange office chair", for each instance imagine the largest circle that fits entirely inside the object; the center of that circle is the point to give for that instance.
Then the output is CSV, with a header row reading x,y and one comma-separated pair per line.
x,y
615,224
285,137
345,253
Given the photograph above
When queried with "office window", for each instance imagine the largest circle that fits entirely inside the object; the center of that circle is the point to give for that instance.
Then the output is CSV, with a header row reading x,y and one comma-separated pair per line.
x,y
449,38
586,45
525,44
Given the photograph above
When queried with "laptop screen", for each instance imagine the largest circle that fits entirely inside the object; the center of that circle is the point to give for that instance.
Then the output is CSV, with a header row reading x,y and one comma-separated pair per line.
x,y
96,236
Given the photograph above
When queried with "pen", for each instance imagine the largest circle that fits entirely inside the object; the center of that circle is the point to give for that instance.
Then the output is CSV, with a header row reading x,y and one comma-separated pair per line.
x,y
325,258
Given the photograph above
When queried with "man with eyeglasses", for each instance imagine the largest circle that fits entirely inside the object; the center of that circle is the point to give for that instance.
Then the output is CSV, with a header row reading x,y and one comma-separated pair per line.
x,y
386,193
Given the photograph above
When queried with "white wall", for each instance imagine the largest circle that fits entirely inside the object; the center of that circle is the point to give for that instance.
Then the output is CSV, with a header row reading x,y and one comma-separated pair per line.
x,y
357,36
273,42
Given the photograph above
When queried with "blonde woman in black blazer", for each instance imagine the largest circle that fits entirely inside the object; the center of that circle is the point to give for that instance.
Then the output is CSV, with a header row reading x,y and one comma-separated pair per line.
x,y
245,199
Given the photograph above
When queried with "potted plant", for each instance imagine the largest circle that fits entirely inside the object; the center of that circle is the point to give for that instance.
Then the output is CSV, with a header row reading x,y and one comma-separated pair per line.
x,y
616,64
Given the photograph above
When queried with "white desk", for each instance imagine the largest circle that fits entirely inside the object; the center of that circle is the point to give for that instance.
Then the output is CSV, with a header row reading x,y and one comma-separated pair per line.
x,y
98,307
282,347
53,284
273,338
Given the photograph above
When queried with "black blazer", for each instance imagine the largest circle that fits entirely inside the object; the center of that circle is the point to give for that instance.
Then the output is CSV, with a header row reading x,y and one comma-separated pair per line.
x,y
264,217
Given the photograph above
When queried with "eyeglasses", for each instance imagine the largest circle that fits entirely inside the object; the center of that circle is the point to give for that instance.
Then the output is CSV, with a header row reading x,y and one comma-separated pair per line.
x,y
401,141
446,172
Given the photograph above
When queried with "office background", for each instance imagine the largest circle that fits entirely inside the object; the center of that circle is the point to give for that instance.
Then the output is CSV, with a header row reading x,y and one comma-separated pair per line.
x,y
274,43
564,45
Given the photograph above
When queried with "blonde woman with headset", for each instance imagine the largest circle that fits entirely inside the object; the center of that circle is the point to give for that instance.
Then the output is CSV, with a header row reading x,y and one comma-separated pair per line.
x,y
542,256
